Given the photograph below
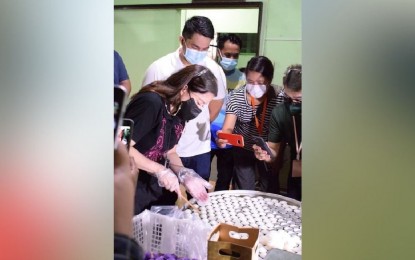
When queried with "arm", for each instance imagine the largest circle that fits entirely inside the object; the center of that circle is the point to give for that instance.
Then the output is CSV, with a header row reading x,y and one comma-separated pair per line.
x,y
216,104
124,189
214,108
175,161
143,162
127,84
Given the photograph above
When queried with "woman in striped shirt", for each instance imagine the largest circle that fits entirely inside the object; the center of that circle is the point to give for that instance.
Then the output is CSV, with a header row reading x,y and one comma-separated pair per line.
x,y
248,114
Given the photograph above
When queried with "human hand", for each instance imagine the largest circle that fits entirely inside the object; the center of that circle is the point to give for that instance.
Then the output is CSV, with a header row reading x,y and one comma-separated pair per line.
x,y
125,180
221,143
260,154
168,180
194,184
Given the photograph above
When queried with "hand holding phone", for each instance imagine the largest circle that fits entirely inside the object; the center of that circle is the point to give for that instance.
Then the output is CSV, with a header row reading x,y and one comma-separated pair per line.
x,y
233,139
126,131
262,144
120,98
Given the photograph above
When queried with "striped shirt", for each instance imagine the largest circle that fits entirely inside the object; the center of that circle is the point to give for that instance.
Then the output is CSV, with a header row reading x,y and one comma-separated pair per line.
x,y
245,116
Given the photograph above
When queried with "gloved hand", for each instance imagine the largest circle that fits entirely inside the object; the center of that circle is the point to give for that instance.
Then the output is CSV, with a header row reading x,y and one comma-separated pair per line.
x,y
167,179
194,184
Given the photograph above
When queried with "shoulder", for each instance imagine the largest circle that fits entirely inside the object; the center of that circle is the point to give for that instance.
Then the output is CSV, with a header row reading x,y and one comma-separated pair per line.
x,y
161,62
280,110
237,97
215,69
149,100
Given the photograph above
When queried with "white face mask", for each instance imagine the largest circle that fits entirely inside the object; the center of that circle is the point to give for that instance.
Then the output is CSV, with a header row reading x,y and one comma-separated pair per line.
x,y
257,91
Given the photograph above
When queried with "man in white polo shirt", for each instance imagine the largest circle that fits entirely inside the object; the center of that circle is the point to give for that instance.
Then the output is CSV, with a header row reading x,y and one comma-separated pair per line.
x,y
194,145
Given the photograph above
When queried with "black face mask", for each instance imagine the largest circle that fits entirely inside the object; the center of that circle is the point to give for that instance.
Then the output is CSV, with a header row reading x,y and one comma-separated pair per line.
x,y
295,108
189,110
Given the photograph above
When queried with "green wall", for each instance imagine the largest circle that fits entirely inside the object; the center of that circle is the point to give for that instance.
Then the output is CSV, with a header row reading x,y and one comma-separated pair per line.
x,y
144,38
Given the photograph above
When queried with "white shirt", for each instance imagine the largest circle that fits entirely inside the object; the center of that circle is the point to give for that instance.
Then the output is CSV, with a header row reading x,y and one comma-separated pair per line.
x,y
195,138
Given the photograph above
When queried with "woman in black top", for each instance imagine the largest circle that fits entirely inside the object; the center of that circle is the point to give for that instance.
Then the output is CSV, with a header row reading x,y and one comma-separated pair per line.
x,y
159,111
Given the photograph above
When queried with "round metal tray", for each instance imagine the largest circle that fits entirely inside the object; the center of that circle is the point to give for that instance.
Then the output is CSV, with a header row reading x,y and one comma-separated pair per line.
x,y
251,193
217,212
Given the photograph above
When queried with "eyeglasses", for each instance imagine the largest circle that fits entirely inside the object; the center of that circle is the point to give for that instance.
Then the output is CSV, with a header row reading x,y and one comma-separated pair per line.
x,y
291,97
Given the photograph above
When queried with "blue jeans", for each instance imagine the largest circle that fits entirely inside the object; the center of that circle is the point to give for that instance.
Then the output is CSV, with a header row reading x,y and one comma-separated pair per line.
x,y
199,163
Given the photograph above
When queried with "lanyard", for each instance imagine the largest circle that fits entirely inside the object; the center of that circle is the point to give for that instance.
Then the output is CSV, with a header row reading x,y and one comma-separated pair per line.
x,y
297,148
259,125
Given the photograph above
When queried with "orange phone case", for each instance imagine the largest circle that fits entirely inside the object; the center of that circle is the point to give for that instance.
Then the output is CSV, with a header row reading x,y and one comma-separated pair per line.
x,y
233,139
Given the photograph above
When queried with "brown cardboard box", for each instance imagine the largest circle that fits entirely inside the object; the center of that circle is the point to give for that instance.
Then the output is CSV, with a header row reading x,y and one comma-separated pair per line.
x,y
222,246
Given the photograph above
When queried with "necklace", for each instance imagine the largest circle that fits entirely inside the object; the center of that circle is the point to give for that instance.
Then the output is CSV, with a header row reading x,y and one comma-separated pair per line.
x,y
174,114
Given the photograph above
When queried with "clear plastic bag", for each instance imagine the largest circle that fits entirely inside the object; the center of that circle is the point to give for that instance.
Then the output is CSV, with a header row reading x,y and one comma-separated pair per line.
x,y
174,232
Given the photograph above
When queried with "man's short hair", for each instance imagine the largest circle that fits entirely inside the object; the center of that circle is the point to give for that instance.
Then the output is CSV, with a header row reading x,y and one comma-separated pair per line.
x,y
198,24
233,38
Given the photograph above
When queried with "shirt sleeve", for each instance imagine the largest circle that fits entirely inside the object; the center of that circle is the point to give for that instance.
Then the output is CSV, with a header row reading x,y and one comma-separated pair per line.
x,y
232,106
275,125
120,68
145,111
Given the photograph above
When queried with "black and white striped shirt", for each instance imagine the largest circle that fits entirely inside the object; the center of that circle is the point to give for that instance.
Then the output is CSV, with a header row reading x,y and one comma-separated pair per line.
x,y
245,116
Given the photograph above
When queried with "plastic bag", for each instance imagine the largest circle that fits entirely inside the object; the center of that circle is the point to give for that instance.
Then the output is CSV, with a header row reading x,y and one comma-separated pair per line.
x,y
174,233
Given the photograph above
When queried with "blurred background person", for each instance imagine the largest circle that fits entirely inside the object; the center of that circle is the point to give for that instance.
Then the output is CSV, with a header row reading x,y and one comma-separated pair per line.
x,y
125,181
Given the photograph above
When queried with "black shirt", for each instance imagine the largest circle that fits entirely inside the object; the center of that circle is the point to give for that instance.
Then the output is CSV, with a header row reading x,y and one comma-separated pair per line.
x,y
155,131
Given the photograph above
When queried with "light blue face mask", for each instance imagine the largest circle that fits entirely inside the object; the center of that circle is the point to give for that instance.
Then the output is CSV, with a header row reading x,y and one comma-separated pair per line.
x,y
228,64
194,56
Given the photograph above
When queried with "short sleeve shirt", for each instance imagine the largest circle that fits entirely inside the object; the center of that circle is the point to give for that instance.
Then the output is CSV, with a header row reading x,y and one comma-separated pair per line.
x,y
120,72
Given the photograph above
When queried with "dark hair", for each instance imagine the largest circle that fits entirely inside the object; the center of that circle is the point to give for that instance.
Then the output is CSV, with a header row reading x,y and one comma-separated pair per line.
x,y
292,77
262,65
198,24
233,38
197,77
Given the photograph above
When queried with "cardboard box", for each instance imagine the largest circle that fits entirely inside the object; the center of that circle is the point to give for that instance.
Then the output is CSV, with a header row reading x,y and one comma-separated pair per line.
x,y
223,243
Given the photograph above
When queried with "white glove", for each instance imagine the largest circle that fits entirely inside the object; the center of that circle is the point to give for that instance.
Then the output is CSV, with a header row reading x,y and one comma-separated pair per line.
x,y
167,179
194,184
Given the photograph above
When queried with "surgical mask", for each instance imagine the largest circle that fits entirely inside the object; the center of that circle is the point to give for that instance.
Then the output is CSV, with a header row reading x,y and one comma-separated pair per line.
x,y
295,108
194,56
189,110
257,91
228,63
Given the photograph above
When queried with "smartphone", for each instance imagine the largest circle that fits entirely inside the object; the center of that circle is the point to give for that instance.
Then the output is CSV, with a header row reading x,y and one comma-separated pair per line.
x,y
120,100
233,139
261,143
126,131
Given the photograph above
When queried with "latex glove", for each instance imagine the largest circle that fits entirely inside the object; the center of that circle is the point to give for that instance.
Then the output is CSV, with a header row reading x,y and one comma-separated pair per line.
x,y
194,184
167,179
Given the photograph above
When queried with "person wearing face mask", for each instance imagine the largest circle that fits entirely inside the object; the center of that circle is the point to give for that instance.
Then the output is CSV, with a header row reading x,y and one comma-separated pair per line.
x,y
159,111
194,145
228,49
285,128
248,113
